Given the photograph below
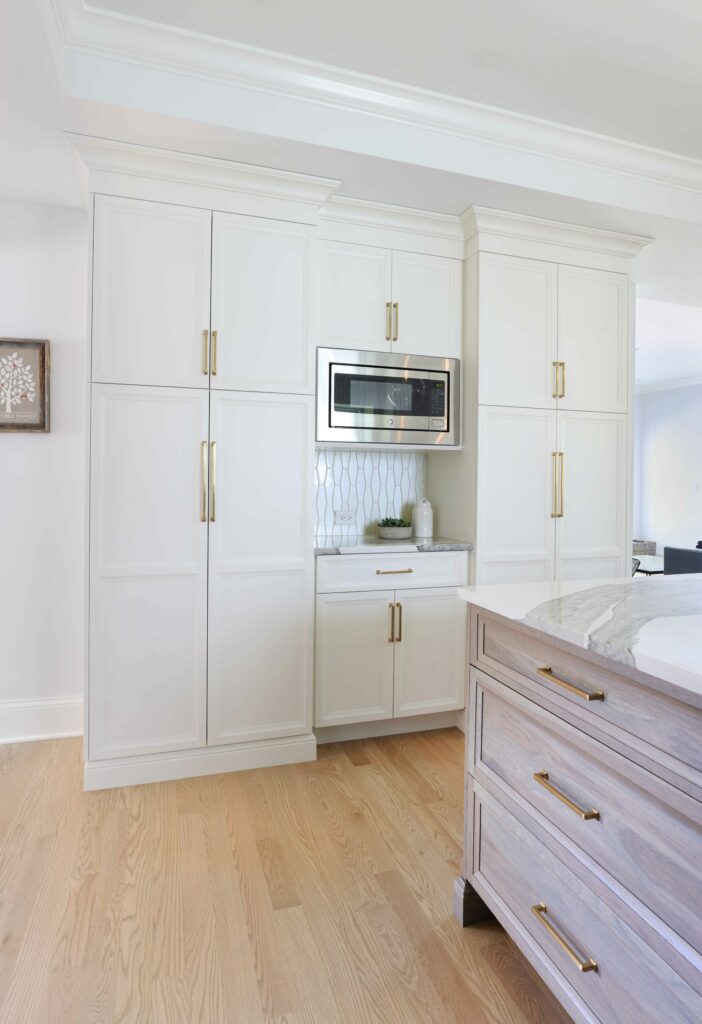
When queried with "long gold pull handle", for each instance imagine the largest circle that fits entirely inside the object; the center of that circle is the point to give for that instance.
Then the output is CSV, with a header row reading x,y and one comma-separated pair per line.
x,y
388,321
561,507
555,393
392,572
399,627
214,353
540,910
562,389
391,638
547,673
542,779
554,496
213,480
205,353
203,482
396,330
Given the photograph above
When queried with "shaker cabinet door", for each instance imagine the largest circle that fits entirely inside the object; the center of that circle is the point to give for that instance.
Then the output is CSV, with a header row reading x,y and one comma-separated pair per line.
x,y
430,651
353,297
426,295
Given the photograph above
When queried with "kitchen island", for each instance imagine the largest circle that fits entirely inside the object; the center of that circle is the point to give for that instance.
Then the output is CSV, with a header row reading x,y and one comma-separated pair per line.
x,y
584,789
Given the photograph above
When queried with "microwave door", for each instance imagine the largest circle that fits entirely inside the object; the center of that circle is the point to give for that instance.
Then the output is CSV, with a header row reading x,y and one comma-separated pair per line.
x,y
378,398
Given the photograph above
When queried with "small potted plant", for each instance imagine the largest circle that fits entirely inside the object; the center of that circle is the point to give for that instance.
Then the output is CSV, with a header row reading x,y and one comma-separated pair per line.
x,y
394,529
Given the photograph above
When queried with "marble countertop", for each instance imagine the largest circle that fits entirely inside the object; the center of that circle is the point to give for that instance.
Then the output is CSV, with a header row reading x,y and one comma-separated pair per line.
x,y
653,624
351,545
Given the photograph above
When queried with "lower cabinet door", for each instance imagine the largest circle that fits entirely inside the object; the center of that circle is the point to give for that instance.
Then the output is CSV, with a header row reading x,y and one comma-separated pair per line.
x,y
430,651
354,670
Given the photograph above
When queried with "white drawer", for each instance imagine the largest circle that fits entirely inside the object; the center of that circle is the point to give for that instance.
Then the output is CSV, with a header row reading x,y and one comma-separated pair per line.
x,y
345,573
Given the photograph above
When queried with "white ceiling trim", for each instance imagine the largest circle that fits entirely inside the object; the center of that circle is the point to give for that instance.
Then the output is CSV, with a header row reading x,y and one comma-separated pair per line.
x,y
367,223
80,28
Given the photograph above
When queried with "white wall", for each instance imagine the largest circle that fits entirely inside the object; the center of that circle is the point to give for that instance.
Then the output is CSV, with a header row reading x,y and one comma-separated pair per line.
x,y
43,285
669,466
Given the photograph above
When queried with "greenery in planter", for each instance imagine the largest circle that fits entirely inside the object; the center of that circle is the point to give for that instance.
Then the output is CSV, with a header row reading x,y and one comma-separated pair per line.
x,y
393,522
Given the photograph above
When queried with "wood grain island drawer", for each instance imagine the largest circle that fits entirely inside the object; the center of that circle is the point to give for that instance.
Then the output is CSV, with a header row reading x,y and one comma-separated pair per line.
x,y
344,573
613,971
640,829
591,690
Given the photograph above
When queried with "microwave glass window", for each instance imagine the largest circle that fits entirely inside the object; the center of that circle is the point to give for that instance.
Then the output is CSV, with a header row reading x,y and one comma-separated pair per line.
x,y
379,395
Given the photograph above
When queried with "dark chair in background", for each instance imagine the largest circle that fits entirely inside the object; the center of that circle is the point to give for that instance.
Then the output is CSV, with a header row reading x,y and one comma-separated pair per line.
x,y
681,560
635,563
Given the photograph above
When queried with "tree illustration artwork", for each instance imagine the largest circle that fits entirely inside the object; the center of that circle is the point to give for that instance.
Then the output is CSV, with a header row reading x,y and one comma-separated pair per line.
x,y
16,382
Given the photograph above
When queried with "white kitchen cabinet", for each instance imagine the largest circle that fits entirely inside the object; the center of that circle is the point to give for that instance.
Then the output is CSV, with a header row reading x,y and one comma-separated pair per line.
x,y
593,339
148,571
518,331
591,534
516,499
426,297
261,305
261,587
430,651
354,663
151,293
388,300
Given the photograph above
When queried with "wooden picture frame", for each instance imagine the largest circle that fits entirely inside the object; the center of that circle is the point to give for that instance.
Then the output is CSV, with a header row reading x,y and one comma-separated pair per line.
x,y
24,385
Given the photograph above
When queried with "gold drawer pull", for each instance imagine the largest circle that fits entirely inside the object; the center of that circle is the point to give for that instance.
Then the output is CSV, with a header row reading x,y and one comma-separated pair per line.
x,y
214,354
542,779
398,638
388,321
392,572
203,481
540,911
396,328
205,353
547,673
391,638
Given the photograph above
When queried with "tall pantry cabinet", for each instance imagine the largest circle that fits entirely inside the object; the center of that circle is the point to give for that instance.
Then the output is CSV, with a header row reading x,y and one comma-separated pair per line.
x,y
201,469
543,484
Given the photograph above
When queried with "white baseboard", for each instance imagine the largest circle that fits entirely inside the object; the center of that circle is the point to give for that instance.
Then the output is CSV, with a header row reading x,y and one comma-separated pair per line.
x,y
49,718
390,727
186,764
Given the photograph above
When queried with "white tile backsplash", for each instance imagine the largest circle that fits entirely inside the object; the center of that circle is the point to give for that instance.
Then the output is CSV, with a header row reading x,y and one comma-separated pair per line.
x,y
369,484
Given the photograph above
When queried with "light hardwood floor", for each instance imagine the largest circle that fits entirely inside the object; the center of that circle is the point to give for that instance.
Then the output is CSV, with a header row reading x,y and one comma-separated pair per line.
x,y
310,894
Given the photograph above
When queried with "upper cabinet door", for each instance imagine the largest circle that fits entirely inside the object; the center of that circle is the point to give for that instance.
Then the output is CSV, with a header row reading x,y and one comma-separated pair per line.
x,y
593,339
261,273
353,297
427,305
151,293
517,329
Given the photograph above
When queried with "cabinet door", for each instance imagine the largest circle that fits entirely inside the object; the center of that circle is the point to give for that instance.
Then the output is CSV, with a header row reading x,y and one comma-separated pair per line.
x,y
593,339
591,535
430,651
515,529
148,571
427,290
261,305
354,664
517,328
151,293
353,296
261,605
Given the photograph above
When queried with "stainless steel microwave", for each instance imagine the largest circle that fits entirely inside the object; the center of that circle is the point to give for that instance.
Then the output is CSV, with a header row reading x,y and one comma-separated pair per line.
x,y
387,398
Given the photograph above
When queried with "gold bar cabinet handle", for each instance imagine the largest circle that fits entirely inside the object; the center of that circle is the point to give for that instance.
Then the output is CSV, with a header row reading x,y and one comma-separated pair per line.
x,y
542,779
205,352
554,496
561,508
392,572
388,321
214,353
399,626
203,482
396,311
391,638
562,394
540,910
556,389
547,673
213,480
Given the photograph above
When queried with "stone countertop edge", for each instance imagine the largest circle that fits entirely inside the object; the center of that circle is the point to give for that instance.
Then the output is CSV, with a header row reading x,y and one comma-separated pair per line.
x,y
432,544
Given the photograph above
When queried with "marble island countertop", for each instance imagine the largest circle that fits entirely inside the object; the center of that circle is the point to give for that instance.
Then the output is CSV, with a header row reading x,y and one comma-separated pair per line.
x,y
358,545
653,624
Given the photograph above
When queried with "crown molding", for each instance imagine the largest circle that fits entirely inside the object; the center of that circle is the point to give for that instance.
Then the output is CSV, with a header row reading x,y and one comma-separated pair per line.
x,y
515,234
397,227
667,385
77,27
142,172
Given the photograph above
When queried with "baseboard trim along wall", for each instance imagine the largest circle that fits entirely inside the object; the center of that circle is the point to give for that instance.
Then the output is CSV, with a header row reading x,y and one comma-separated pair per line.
x,y
44,719
185,764
391,727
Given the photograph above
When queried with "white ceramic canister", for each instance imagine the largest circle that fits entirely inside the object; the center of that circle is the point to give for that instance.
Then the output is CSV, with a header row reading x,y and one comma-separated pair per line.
x,y
423,519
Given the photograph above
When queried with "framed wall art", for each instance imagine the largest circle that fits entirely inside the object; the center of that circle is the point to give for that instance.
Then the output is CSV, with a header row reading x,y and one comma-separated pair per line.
x,y
24,384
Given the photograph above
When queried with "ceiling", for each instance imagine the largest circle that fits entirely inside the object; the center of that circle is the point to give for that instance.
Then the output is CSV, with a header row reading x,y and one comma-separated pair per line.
x,y
622,68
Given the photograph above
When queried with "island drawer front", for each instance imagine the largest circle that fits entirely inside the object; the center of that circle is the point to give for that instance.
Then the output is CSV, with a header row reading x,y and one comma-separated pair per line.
x,y
645,843
631,982
342,573
659,720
